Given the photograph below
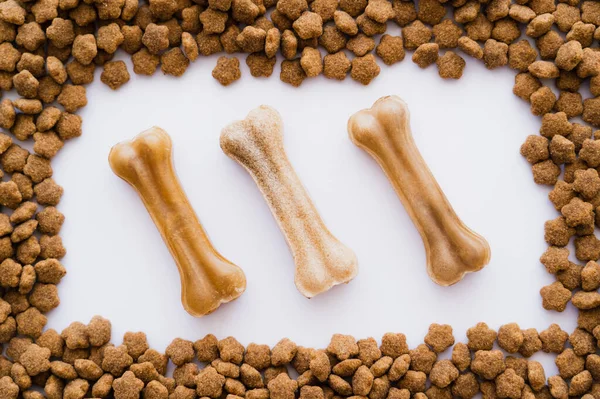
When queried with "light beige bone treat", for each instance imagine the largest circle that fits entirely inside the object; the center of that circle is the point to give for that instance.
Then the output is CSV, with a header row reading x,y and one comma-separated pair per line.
x,y
207,279
257,144
452,248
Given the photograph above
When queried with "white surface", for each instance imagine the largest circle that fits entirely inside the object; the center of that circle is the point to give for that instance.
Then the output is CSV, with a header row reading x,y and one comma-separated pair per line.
x,y
468,131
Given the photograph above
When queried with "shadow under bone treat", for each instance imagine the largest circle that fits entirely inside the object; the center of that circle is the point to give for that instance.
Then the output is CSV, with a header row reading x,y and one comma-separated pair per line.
x,y
207,278
322,261
452,248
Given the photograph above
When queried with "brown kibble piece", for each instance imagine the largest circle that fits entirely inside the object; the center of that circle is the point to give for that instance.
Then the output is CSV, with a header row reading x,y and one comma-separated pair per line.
x,y
450,65
426,54
555,297
115,74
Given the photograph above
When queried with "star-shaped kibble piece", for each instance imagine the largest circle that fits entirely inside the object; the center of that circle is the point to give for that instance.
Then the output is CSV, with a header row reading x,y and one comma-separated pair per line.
x,y
555,296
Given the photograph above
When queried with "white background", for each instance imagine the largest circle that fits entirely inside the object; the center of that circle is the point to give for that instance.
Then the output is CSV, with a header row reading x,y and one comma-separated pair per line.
x,y
469,132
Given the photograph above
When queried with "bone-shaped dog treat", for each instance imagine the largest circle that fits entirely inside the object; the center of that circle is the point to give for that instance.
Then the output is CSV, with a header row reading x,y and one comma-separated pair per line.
x,y
207,279
452,248
257,144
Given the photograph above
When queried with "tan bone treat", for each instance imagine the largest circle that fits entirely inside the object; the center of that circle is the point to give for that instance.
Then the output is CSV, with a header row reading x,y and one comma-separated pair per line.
x,y
207,279
257,144
452,248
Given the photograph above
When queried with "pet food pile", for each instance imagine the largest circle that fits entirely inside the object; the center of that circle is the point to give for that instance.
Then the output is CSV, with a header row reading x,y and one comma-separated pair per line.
x,y
49,50
80,362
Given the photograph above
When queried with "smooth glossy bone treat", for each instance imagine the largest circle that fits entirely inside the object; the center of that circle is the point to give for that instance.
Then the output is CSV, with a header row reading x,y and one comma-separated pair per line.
x,y
257,144
207,279
452,248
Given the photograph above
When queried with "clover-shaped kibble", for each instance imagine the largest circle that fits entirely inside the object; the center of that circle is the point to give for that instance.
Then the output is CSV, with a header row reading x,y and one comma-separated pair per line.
x,y
272,372
174,62
26,84
44,296
76,336
414,381
590,276
481,337
587,183
545,173
181,351
390,49
562,150
364,69
461,356
531,343
361,45
127,386
525,85
320,366
521,55
582,341
10,273
260,65
569,364
115,74
35,359
578,212
227,70
590,152
155,390
116,360
251,377
553,339
426,54
368,351
591,111
439,337
450,65
292,72
443,373
282,387
422,358
535,149
415,34
555,297
336,66
495,54
231,350
571,104
309,25
488,364
542,101
555,124
251,39
17,346
283,352
510,337
509,384
49,271
311,62
343,346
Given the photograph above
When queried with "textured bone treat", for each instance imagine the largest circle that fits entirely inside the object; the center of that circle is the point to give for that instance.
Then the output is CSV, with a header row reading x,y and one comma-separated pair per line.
x,y
207,279
257,144
452,248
